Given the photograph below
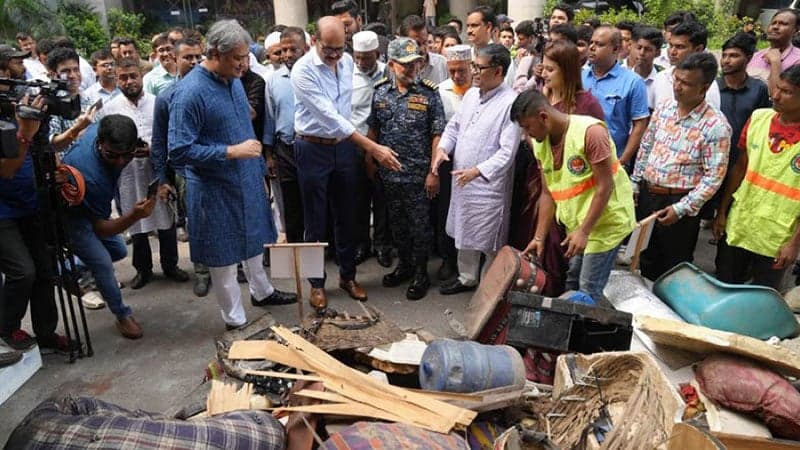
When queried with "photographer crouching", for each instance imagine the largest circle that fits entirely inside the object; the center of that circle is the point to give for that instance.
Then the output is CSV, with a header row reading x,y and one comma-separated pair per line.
x,y
24,256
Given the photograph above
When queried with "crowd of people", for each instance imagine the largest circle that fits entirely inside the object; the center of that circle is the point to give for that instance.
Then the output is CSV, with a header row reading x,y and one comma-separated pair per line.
x,y
450,141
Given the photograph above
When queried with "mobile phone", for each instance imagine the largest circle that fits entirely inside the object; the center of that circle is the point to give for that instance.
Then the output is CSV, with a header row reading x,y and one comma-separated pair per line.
x,y
152,189
98,105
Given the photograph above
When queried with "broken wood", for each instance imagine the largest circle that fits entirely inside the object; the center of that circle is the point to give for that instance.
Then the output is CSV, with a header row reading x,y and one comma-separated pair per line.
x,y
286,375
740,442
225,398
705,340
269,350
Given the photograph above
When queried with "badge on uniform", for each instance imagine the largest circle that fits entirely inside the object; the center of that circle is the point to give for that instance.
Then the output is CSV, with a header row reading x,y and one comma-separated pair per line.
x,y
418,103
577,165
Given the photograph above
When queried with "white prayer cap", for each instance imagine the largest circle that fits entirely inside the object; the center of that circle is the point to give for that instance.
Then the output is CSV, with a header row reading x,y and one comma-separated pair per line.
x,y
274,38
365,41
458,53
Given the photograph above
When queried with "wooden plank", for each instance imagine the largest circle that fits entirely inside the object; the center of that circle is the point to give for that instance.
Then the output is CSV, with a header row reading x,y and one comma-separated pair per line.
x,y
348,409
323,395
269,350
739,442
225,397
353,384
705,340
685,436
286,375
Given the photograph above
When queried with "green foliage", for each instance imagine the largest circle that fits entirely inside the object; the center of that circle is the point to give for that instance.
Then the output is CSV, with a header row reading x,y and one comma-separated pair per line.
x,y
32,16
130,25
720,20
83,26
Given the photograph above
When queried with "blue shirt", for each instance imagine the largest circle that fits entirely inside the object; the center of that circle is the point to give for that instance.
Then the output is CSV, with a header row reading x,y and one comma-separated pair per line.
x,y
101,178
279,119
323,99
158,141
623,96
18,194
226,199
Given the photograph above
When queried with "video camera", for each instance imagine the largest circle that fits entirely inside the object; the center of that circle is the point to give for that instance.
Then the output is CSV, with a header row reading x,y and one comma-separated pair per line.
x,y
57,99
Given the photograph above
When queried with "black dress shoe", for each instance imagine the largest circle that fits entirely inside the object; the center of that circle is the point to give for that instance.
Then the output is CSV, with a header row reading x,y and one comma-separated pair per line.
x,y
419,284
141,279
240,276
229,327
361,255
176,274
201,285
277,298
455,288
446,271
385,258
9,358
398,276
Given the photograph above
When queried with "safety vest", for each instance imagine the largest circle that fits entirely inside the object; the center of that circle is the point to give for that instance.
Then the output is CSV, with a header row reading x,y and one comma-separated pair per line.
x,y
572,188
765,208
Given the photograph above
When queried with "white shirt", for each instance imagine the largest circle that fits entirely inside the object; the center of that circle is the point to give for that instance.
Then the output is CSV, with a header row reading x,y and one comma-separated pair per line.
x,y
363,89
35,70
260,69
662,89
88,77
450,100
436,70
648,83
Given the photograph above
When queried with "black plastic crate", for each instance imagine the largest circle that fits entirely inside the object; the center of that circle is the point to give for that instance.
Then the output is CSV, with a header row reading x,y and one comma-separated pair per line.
x,y
565,326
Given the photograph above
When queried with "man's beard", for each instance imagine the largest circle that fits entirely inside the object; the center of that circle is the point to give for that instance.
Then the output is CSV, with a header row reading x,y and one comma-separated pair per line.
x,y
132,95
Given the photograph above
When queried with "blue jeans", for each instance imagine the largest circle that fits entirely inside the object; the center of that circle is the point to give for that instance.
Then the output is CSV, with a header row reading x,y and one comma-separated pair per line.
x,y
589,272
99,254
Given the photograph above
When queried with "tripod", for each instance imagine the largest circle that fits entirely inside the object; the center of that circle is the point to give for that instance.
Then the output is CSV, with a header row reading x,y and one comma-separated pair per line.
x,y
52,210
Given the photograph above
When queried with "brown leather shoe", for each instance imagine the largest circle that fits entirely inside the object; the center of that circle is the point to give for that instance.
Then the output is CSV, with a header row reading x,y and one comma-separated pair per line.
x,y
129,328
354,289
318,298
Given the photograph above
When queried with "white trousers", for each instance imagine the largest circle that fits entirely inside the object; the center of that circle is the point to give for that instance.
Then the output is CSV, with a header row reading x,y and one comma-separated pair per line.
x,y
229,296
469,266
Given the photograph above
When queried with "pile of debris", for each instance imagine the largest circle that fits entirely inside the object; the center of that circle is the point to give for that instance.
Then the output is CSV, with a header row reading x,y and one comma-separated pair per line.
x,y
687,363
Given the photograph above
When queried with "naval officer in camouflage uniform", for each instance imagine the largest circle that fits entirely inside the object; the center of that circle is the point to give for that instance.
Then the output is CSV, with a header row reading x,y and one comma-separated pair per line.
x,y
407,115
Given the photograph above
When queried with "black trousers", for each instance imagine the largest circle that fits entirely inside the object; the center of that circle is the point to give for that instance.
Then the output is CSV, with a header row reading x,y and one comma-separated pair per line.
x,y
371,201
292,211
669,245
27,264
167,247
737,265
327,175
445,245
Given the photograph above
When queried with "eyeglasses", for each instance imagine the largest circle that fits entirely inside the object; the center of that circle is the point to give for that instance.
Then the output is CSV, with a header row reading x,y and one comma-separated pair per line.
x,y
476,68
107,65
330,51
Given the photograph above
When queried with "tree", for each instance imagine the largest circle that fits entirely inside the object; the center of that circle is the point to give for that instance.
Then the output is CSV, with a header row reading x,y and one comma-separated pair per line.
x,y
31,16
82,25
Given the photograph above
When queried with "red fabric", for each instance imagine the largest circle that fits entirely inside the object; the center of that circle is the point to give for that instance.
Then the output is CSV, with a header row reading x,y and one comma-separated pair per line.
x,y
744,386
780,136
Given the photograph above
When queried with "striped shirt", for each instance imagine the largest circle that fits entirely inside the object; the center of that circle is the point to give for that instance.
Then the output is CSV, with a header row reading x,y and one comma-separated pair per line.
x,y
689,152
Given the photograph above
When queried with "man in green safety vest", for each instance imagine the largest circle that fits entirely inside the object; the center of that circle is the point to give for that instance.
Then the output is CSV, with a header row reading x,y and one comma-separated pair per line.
x,y
583,188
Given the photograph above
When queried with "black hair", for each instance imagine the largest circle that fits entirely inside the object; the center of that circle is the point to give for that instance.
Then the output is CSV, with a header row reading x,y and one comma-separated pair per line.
x,y
60,54
487,15
507,27
63,42
697,32
411,23
525,28
584,33
452,33
650,34
593,22
100,55
126,41
188,42
528,103
498,56
118,131
568,31
21,36
159,40
704,62
792,75
45,46
458,21
126,63
791,11
743,41
345,6
378,28
277,28
289,32
625,25
568,10
677,17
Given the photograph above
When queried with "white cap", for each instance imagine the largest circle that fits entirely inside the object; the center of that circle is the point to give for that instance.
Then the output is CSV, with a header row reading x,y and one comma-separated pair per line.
x,y
365,41
458,53
274,38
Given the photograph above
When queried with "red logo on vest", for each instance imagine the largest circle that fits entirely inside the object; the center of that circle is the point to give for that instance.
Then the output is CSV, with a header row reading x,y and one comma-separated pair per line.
x,y
577,165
